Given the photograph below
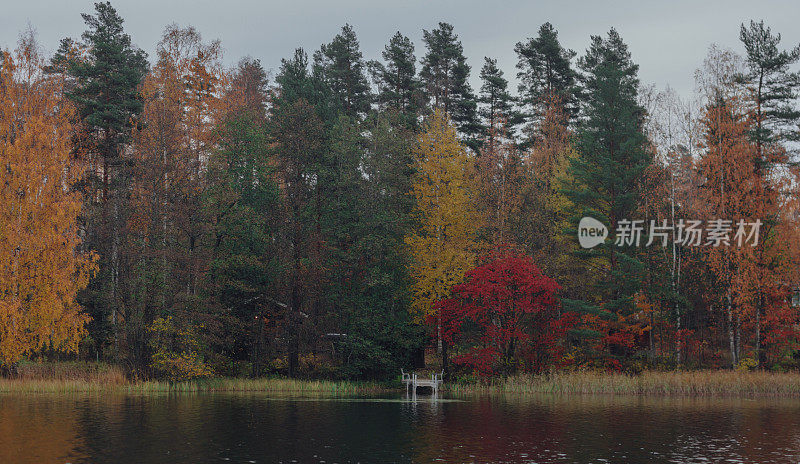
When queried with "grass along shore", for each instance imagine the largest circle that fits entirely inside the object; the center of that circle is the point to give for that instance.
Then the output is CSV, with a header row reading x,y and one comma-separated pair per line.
x,y
270,385
677,383
100,377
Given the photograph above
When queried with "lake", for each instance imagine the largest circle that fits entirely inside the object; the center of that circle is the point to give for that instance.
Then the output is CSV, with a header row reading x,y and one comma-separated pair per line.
x,y
263,428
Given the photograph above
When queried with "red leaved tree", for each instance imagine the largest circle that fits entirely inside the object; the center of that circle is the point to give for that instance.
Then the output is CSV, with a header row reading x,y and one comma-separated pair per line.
x,y
505,316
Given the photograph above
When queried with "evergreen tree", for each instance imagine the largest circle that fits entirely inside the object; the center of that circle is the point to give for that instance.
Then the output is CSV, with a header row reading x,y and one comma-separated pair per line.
x,y
545,72
388,168
774,90
107,80
297,140
365,284
445,75
497,105
341,226
607,172
104,87
773,87
241,202
381,337
349,276
295,83
68,51
340,66
398,86
293,80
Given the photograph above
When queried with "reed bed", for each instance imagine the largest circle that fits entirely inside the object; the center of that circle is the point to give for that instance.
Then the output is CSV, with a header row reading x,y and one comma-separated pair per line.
x,y
212,385
100,378
89,372
270,385
94,377
679,383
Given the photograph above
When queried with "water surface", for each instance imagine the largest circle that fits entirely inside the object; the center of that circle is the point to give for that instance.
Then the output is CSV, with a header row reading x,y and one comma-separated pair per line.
x,y
247,428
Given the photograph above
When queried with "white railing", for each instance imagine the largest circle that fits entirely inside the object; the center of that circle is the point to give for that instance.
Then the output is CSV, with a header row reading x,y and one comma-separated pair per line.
x,y
413,381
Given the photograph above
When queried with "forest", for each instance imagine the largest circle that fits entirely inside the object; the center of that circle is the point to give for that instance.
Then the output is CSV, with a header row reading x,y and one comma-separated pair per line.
x,y
340,218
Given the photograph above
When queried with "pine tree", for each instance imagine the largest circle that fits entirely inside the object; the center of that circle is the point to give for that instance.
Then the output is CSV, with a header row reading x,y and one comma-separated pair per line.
x,y
497,105
545,72
445,75
323,205
381,337
342,227
297,140
341,67
293,81
398,86
608,171
67,53
773,87
241,202
105,79
774,90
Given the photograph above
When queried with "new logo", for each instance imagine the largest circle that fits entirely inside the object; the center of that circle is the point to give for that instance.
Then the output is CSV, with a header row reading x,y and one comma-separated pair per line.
x,y
591,232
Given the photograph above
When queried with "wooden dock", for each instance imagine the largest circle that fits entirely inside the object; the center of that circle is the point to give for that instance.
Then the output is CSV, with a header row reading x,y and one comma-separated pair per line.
x,y
413,381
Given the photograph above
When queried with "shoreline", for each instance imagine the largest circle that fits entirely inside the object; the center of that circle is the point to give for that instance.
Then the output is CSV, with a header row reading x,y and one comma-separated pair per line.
x,y
211,385
701,383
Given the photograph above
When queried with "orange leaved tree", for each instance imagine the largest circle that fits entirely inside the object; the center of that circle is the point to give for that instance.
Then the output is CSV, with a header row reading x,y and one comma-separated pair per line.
x,y
729,189
41,268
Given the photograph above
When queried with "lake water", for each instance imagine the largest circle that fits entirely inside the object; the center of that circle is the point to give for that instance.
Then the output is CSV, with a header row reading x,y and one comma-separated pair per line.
x,y
247,428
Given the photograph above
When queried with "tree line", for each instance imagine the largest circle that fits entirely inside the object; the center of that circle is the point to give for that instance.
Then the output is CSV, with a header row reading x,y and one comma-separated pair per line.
x,y
186,219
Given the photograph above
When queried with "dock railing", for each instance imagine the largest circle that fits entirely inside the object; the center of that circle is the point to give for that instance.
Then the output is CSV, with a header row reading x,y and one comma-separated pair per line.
x,y
412,381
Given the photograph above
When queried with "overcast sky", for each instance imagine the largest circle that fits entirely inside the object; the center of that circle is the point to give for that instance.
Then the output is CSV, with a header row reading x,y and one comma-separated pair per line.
x,y
668,39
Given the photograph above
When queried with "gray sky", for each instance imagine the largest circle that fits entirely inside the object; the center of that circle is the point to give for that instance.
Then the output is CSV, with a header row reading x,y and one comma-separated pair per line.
x,y
668,39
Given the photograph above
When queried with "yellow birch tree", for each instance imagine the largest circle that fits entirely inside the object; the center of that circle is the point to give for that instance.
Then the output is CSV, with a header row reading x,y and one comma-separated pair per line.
x,y
442,246
41,267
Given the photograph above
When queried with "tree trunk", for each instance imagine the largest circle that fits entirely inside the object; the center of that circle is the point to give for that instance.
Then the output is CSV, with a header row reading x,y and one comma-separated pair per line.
x,y
439,344
445,366
759,354
115,272
652,353
738,338
675,275
731,338
294,335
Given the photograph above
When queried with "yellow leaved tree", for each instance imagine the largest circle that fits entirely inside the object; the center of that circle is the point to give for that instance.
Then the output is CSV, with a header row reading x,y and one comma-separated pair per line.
x,y
41,269
442,246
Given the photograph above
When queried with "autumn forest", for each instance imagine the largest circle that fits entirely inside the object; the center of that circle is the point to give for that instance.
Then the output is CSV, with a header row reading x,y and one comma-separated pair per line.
x,y
340,218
